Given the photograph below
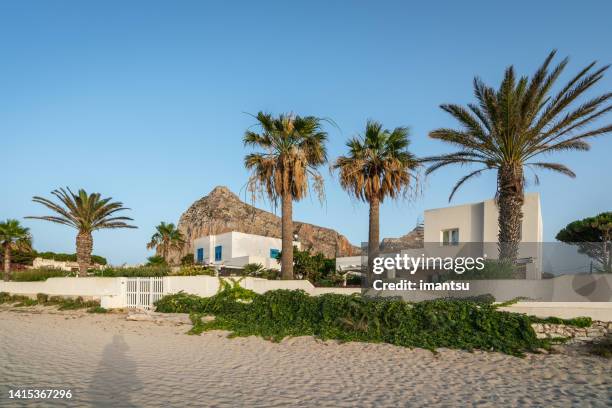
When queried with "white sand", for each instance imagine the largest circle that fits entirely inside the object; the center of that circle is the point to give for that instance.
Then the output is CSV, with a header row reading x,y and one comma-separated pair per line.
x,y
107,361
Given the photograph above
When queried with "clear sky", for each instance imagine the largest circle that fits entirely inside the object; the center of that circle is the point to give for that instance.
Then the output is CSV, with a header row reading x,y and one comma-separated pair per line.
x,y
145,101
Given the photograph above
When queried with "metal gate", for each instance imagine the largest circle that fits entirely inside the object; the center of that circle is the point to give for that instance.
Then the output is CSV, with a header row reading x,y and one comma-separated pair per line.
x,y
143,292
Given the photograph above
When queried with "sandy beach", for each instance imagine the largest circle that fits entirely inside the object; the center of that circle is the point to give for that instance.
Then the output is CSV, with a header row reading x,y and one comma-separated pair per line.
x,y
108,361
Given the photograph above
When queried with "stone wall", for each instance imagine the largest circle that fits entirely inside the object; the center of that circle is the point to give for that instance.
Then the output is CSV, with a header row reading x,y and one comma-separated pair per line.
x,y
577,334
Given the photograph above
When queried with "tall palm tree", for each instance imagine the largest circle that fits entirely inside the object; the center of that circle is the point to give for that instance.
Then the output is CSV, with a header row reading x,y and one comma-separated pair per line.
x,y
378,165
13,236
507,129
86,213
293,147
166,238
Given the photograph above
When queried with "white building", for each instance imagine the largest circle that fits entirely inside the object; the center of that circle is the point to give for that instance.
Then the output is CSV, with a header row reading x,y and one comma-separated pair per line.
x,y
472,230
236,249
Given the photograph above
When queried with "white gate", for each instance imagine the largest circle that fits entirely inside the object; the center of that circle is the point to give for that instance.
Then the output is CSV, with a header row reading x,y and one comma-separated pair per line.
x,y
143,292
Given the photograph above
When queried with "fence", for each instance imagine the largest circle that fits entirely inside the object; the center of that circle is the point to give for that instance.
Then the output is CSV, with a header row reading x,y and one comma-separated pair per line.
x,y
142,293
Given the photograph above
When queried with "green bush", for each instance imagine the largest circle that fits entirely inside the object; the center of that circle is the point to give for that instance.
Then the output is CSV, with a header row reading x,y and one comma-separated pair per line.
x,y
576,321
452,323
44,299
41,274
135,272
68,257
195,270
156,260
77,303
493,269
187,260
97,309
256,270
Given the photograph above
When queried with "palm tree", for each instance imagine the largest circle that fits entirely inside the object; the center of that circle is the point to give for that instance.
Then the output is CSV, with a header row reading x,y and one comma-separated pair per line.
x,y
507,129
167,237
86,213
13,236
378,165
293,148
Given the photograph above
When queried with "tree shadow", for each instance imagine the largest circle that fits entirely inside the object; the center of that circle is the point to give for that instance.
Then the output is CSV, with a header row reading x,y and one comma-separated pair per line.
x,y
115,381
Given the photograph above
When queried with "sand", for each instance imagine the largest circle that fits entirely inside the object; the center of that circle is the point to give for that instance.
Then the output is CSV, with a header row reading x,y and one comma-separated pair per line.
x,y
108,361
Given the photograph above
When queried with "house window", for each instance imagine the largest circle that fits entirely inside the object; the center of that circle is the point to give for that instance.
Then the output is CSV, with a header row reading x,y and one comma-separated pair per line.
x,y
218,253
450,237
274,253
200,255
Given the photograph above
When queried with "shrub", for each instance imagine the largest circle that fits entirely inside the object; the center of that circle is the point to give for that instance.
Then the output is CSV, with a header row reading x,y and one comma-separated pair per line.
x,y
576,321
68,257
493,269
156,260
187,260
353,280
256,270
457,323
41,274
195,270
42,298
77,303
139,271
97,309
5,297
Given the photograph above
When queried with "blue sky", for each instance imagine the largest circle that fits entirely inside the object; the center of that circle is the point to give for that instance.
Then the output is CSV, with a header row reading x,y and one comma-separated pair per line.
x,y
145,101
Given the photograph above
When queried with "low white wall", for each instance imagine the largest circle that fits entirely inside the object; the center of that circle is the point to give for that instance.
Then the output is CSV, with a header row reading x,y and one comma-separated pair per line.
x,y
111,292
94,287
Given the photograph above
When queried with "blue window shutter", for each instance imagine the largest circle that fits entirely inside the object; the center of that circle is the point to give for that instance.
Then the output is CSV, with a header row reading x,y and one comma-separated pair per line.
x,y
274,253
200,255
218,253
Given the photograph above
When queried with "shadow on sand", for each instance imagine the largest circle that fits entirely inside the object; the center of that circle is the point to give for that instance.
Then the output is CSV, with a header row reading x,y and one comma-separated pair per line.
x,y
115,381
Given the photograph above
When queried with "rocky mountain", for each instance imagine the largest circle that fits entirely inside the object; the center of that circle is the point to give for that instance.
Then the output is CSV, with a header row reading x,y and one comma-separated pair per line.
x,y
413,239
223,211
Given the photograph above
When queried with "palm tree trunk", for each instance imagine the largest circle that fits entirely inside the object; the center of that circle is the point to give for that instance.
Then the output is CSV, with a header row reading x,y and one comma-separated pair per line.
x,y
7,263
287,236
373,237
84,245
510,190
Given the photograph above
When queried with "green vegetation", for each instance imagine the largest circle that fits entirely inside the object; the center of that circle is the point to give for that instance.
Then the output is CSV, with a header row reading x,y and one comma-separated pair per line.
x,y
165,239
576,321
493,269
454,323
39,274
134,272
195,270
508,129
187,260
12,237
378,165
256,270
156,260
97,309
593,237
292,147
46,300
96,259
85,213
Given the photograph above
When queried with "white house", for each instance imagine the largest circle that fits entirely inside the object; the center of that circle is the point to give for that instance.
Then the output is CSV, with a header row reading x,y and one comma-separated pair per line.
x,y
236,249
471,230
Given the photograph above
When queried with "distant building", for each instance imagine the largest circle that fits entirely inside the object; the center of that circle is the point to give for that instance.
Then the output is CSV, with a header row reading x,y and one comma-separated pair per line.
x,y
236,249
70,266
472,230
